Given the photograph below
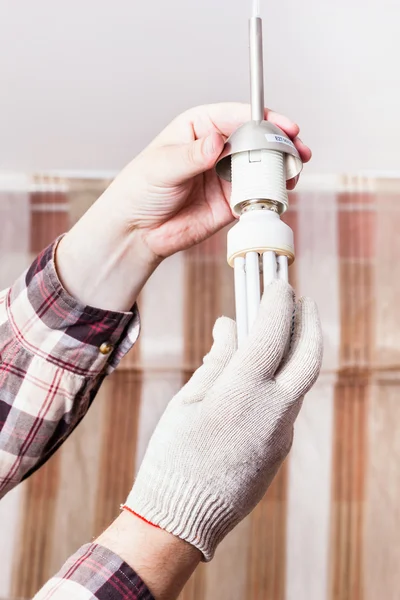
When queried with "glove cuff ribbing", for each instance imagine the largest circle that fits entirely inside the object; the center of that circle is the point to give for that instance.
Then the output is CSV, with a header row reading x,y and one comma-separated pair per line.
x,y
183,508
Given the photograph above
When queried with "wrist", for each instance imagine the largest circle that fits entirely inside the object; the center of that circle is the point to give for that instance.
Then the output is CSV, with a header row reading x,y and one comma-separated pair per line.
x,y
102,264
163,561
182,505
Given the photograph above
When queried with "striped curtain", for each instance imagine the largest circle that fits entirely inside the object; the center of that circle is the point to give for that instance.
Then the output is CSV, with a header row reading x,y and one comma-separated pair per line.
x,y
328,528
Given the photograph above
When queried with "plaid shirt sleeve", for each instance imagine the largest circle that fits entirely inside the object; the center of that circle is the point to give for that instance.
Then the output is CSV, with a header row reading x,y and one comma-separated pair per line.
x,y
95,573
54,355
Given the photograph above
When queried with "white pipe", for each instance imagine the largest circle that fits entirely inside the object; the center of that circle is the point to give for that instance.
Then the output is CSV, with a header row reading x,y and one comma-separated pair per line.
x,y
240,298
256,8
256,67
253,286
283,269
269,267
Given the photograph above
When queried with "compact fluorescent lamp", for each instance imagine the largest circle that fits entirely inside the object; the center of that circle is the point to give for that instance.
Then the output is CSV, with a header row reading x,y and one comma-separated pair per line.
x,y
258,159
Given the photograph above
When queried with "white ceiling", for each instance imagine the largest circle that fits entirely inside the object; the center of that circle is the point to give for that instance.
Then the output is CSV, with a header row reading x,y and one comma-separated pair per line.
x,y
85,84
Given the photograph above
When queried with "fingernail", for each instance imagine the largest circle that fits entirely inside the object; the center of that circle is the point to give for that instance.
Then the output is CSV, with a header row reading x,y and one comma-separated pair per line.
x,y
209,146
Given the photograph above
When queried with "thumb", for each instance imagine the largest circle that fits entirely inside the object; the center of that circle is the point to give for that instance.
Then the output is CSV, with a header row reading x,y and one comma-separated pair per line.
x,y
214,363
183,161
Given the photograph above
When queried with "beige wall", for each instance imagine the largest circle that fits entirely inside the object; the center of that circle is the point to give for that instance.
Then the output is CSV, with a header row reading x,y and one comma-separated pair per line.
x,y
328,527
84,85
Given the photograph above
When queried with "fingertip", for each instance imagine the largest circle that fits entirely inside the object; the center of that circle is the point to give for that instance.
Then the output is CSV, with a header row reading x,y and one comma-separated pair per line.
x,y
308,306
214,144
308,322
278,291
288,126
291,183
279,283
295,129
224,328
303,150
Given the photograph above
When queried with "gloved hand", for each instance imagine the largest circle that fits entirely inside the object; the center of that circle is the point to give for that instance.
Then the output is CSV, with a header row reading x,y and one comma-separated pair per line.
x,y
224,436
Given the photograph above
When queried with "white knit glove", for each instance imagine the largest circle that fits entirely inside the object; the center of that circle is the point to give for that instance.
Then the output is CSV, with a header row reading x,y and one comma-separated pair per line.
x,y
224,436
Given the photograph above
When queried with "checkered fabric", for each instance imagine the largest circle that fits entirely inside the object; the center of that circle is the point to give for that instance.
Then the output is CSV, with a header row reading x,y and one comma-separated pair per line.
x,y
95,572
51,368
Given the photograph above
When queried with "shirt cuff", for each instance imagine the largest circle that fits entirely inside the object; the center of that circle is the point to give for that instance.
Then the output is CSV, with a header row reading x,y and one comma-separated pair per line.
x,y
50,323
95,572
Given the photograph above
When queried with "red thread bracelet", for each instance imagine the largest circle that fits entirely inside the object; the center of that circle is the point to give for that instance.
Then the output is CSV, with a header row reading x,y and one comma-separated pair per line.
x,y
124,507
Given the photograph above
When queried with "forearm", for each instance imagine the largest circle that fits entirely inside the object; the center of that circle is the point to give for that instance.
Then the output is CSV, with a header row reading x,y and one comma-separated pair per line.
x,y
131,559
163,561
101,262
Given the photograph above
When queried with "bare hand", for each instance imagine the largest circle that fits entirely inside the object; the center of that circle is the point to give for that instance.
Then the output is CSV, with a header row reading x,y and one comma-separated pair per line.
x,y
166,200
171,193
